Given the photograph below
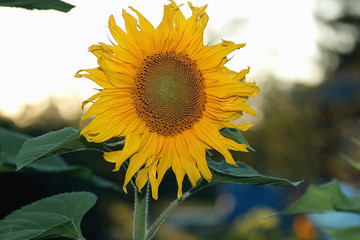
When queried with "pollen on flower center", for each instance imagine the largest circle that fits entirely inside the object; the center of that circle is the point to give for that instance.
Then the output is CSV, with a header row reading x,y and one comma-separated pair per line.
x,y
169,93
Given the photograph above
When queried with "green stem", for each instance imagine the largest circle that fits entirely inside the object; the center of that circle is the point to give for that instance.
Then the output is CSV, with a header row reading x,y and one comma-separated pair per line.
x,y
140,213
150,234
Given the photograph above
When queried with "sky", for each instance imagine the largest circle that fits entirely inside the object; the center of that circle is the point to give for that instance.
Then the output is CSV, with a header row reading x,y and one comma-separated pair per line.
x,y
42,50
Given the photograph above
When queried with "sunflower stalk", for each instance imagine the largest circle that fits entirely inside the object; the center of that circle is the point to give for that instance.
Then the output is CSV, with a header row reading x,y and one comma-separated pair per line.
x,y
140,213
201,185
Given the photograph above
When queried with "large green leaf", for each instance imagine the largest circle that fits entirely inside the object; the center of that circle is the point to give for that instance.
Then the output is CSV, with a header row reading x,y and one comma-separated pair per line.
x,y
38,4
222,172
53,143
56,216
77,171
328,197
242,173
10,144
325,198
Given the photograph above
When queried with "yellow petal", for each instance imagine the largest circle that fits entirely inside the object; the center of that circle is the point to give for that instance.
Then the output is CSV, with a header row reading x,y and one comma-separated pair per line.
x,y
166,160
187,162
241,75
132,145
162,32
212,138
97,76
197,152
153,181
144,24
241,127
147,151
131,25
142,178
231,145
135,164
122,38
211,56
96,50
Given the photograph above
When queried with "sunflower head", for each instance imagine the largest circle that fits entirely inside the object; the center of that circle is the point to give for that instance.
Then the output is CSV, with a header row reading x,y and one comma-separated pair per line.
x,y
168,95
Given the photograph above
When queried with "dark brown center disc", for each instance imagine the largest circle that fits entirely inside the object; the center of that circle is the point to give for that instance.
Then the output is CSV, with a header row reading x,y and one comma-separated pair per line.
x,y
169,93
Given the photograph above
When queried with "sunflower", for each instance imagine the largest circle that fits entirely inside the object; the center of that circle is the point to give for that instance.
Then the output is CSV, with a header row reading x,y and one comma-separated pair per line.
x,y
168,95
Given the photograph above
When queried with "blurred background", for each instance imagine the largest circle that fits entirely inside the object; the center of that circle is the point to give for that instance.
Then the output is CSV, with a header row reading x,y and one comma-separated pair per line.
x,y
304,55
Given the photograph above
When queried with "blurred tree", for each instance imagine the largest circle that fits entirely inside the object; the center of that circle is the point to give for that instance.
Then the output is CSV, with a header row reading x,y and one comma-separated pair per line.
x,y
305,128
337,98
287,141
339,38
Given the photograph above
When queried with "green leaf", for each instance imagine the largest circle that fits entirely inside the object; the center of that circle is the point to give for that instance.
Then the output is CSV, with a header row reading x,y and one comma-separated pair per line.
x,y
10,144
56,216
350,233
224,172
53,143
328,197
38,4
77,171
236,136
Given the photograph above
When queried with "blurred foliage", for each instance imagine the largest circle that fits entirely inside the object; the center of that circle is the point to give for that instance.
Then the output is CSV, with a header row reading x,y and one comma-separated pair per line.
x,y
302,132
254,226
334,200
285,139
339,25
330,200
354,162
325,198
